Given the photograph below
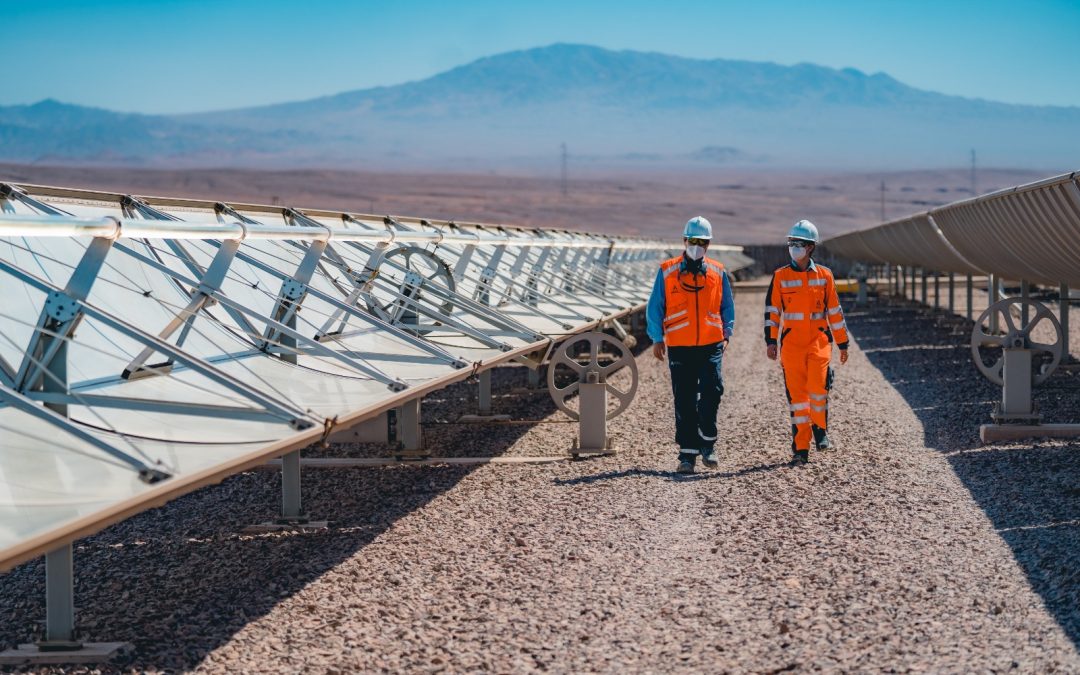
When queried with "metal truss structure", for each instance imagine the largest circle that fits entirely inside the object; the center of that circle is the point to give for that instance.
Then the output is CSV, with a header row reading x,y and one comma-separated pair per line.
x,y
151,346
1029,233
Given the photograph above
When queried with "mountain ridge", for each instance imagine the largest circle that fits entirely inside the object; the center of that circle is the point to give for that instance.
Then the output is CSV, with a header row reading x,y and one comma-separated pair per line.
x,y
516,108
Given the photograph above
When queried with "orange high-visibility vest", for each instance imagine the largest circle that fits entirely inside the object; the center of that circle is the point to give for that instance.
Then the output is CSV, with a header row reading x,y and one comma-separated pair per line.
x,y
802,305
692,304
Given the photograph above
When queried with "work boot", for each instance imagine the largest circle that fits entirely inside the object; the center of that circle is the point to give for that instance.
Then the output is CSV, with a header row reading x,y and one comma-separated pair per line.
x,y
708,458
686,462
821,439
800,457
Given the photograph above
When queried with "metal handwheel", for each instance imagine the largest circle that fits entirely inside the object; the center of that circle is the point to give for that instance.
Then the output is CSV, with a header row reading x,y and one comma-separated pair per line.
x,y
1016,337
592,373
422,268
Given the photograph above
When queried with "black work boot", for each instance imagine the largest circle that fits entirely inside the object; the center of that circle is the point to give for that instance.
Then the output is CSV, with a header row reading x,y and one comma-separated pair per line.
x,y
800,457
686,462
708,458
821,439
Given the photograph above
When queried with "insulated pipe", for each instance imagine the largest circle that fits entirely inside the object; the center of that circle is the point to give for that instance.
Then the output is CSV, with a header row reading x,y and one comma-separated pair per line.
x,y
112,228
1025,296
1063,316
991,294
971,297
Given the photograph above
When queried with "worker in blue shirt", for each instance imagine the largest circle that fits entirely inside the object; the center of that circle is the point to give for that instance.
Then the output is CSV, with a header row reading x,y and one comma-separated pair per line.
x,y
690,317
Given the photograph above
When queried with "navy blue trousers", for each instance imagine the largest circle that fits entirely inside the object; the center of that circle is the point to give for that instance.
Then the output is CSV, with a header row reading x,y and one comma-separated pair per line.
x,y
697,384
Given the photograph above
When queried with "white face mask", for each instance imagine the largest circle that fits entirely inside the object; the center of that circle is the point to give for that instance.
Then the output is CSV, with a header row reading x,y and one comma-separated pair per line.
x,y
797,253
695,252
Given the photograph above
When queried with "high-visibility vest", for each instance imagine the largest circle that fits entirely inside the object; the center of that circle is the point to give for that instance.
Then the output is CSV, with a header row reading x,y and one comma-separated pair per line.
x,y
802,305
692,303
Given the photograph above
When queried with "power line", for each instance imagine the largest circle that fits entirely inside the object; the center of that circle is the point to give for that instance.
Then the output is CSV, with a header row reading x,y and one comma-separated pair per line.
x,y
564,187
974,185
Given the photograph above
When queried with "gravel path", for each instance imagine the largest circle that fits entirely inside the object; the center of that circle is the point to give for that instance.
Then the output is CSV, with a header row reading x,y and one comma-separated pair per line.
x,y
907,549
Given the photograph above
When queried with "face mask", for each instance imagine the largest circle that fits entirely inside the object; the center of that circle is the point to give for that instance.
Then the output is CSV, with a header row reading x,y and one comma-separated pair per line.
x,y
797,253
695,252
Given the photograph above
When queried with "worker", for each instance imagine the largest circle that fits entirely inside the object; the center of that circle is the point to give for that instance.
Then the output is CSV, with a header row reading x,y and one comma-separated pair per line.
x,y
690,318
802,320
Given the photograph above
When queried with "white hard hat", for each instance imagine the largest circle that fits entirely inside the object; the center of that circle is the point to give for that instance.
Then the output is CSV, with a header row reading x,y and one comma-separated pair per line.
x,y
697,228
805,230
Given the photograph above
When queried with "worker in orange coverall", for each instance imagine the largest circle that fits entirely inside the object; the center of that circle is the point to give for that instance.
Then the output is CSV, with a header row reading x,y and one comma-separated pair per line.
x,y
802,319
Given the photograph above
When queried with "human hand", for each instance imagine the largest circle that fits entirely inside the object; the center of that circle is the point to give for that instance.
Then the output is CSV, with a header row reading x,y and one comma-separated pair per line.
x,y
770,351
659,350
843,356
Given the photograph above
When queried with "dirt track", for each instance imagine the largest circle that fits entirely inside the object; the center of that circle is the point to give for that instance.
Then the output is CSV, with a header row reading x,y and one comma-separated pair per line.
x,y
908,548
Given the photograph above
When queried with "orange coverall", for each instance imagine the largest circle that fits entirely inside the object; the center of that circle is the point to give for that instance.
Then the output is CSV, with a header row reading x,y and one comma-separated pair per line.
x,y
803,316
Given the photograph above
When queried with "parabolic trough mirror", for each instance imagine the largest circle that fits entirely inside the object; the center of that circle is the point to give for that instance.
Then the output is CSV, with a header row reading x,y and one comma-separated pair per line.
x,y
152,346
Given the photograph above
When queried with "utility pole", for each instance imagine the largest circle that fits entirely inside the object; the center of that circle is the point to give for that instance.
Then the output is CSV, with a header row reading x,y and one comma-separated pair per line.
x,y
974,190
564,190
883,201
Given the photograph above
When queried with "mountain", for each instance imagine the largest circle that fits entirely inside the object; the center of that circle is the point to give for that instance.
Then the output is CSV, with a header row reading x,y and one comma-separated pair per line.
x,y
612,108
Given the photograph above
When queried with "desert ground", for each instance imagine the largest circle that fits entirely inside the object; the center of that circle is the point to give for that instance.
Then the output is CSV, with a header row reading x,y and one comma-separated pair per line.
x,y
911,547
745,206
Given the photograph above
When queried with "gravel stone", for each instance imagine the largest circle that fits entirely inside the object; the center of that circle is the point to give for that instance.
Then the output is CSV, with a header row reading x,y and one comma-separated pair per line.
x,y
908,548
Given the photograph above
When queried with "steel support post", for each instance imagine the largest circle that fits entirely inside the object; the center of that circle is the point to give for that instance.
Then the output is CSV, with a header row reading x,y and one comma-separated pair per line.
x,y
592,423
1016,373
937,290
971,297
914,285
290,487
534,378
925,283
1063,317
1025,295
60,597
409,430
952,293
991,295
484,392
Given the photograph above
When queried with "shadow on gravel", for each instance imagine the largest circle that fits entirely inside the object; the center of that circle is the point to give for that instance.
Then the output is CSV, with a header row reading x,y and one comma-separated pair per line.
x,y
1029,490
181,580
669,475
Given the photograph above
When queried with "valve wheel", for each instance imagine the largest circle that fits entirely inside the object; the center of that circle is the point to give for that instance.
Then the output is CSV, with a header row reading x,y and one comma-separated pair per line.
x,y
1016,337
563,356
430,270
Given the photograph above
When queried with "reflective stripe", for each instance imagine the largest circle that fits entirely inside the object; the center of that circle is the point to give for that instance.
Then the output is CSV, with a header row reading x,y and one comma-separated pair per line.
x,y
687,451
834,310
714,324
820,397
794,316
676,327
714,315
838,326
771,310
671,270
817,315
800,420
820,408
676,315
790,283
704,437
717,268
816,282
771,323
799,406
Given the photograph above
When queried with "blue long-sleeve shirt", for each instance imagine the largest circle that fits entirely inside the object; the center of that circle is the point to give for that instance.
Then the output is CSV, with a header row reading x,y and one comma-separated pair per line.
x,y
656,310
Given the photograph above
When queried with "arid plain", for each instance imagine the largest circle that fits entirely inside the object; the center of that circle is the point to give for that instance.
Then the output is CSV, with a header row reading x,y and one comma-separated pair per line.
x,y
745,206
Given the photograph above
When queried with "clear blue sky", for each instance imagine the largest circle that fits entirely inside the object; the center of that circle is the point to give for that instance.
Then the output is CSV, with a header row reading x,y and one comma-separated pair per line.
x,y
184,56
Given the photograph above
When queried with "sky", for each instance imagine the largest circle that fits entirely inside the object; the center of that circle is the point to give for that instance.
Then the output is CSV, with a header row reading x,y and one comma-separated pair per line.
x,y
175,56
